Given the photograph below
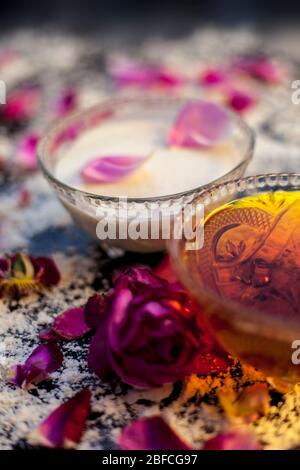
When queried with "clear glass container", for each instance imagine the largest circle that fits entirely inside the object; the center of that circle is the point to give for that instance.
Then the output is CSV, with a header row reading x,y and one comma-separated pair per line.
x,y
87,207
258,332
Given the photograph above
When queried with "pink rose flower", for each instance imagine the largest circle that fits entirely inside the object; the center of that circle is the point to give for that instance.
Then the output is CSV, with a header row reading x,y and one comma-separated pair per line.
x,y
149,333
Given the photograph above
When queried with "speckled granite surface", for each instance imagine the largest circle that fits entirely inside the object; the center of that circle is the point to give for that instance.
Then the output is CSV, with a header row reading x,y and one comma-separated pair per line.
x,y
45,228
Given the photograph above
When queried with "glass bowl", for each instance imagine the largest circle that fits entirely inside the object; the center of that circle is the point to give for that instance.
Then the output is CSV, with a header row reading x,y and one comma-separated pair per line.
x,y
88,208
260,335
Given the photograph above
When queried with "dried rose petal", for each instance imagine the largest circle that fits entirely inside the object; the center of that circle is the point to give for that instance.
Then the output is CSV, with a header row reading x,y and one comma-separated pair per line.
x,y
27,274
240,100
262,68
71,324
48,335
127,72
250,404
200,124
4,267
110,168
21,104
66,102
64,427
99,356
95,310
47,272
26,151
44,360
233,440
135,276
151,434
212,77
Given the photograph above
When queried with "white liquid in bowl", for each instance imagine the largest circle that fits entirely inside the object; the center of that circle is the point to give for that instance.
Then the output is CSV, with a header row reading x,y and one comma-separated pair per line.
x,y
167,171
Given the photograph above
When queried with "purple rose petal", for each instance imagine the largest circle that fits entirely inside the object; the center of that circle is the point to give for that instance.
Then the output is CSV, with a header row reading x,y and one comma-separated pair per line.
x,y
99,357
45,359
262,68
233,440
127,72
108,169
95,310
47,272
26,151
66,102
4,267
151,434
71,324
200,124
64,427
240,100
48,335
21,104
213,77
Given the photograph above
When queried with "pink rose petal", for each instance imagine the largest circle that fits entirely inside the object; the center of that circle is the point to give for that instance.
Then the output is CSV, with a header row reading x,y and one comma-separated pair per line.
x,y
26,151
66,102
95,311
127,72
151,434
200,124
262,68
21,104
233,440
48,335
64,427
71,324
110,168
241,100
212,77
46,270
44,360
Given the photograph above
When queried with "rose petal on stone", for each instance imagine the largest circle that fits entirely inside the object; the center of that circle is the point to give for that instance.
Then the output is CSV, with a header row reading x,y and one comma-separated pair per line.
x,y
250,404
111,168
48,335
135,276
151,433
95,310
212,77
127,72
64,427
26,151
262,68
4,267
241,100
66,102
99,358
233,440
71,324
45,359
21,104
200,124
47,272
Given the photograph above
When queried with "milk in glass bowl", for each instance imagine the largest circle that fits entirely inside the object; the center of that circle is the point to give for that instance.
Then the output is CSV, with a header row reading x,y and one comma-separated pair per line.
x,y
135,211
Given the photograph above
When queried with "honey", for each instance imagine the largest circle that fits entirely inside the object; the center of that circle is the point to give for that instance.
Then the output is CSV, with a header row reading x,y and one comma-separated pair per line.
x,y
251,252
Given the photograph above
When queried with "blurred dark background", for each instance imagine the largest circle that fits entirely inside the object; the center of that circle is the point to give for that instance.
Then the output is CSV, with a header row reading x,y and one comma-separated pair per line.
x,y
168,17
